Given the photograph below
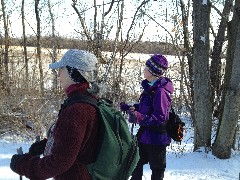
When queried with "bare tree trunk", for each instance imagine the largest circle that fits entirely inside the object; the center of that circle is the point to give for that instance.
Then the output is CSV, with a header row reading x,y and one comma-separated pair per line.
x,y
54,48
24,44
6,43
188,53
39,46
202,104
225,137
216,65
2,85
95,30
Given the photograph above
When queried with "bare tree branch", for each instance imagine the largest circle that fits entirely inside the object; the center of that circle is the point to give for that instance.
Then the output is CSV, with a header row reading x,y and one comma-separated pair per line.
x,y
110,8
82,21
133,21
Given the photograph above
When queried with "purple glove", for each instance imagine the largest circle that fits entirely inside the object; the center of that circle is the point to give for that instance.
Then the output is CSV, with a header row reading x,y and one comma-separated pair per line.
x,y
131,116
124,107
134,116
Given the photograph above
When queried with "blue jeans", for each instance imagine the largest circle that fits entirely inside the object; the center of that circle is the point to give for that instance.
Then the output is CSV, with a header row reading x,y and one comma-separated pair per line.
x,y
155,155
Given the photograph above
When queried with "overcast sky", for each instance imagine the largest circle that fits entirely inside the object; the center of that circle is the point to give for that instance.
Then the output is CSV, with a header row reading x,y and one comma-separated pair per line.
x,y
68,24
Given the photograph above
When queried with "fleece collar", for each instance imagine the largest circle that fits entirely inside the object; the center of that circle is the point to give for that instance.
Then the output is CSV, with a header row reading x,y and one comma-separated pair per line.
x,y
77,88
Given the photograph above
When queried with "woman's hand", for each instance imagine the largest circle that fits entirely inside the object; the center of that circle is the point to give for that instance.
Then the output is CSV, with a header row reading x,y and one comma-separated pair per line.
x,y
134,116
38,147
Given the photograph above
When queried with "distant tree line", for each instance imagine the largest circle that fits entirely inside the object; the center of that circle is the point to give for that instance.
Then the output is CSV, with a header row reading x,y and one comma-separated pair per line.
x,y
145,47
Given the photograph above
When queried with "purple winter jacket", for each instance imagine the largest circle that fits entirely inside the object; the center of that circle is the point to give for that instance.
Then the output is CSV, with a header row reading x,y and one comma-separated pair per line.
x,y
155,103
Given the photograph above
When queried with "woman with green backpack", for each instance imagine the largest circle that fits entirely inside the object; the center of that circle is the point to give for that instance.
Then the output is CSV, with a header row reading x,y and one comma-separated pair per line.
x,y
73,140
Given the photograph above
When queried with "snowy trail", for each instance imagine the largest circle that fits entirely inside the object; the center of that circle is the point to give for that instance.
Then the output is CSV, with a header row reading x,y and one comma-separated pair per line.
x,y
186,165
182,162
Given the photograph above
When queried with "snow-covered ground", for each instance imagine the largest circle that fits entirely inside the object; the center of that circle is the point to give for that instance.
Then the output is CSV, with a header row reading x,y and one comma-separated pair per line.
x,y
182,162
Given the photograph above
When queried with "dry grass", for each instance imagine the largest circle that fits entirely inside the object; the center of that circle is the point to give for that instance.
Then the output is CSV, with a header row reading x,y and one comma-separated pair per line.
x,y
25,112
24,106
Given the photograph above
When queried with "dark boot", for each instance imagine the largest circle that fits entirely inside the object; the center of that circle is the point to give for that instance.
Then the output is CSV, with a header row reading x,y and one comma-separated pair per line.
x,y
157,175
137,173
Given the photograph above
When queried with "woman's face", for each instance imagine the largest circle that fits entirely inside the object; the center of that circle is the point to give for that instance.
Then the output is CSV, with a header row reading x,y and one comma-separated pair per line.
x,y
147,74
64,78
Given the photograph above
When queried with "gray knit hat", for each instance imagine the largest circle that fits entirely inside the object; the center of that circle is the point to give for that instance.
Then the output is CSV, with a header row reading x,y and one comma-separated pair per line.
x,y
84,61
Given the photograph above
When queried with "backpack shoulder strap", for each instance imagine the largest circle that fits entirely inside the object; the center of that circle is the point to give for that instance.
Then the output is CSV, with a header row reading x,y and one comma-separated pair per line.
x,y
81,98
172,109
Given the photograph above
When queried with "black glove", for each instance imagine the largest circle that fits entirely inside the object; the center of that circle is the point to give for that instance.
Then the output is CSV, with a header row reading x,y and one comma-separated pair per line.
x,y
37,148
124,107
14,161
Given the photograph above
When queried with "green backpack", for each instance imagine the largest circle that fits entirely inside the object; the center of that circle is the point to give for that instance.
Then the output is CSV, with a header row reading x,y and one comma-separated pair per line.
x,y
119,153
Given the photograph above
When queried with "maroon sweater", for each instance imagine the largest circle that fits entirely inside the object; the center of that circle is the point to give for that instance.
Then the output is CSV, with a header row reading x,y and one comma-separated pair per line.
x,y
75,144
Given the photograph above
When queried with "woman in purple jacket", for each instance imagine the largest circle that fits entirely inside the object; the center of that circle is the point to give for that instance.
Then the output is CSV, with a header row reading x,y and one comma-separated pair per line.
x,y
152,114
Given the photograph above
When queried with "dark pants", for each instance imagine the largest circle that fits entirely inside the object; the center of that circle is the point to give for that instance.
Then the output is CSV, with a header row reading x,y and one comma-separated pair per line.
x,y
155,155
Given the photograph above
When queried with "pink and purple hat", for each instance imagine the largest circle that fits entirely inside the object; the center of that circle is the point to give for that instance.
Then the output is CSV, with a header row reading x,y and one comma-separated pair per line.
x,y
157,64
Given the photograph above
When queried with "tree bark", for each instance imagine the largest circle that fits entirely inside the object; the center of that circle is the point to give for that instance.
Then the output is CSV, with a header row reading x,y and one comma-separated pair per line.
x,y
188,52
39,46
202,105
2,85
54,48
216,64
5,73
225,137
24,43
